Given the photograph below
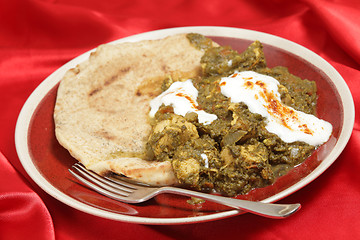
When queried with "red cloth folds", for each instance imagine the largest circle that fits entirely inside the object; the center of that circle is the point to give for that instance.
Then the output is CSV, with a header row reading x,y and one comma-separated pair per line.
x,y
22,212
342,22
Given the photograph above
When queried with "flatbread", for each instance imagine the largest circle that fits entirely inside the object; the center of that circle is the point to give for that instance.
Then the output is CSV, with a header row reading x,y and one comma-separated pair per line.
x,y
102,104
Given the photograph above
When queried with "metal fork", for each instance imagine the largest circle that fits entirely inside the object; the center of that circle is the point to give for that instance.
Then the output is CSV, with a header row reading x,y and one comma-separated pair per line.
x,y
125,191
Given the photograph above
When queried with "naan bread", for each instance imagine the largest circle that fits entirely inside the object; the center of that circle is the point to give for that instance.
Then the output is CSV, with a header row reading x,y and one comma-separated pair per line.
x,y
102,104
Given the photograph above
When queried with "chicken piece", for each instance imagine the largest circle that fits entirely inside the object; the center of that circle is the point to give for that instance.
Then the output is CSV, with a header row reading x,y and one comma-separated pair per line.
x,y
167,135
187,171
253,156
195,161
227,156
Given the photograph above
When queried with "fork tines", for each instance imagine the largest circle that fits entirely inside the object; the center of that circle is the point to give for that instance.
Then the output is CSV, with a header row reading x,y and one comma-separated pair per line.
x,y
104,185
134,193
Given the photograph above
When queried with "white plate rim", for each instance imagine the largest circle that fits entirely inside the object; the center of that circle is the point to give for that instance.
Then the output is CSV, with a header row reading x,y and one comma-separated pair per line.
x,y
37,95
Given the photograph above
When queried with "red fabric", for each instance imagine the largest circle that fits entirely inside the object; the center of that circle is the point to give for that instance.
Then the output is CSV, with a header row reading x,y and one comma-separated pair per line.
x,y
38,36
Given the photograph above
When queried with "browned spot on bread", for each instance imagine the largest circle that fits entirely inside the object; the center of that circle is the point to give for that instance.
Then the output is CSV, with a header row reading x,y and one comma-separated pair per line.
x,y
104,134
113,78
93,54
125,70
75,70
110,80
164,68
94,91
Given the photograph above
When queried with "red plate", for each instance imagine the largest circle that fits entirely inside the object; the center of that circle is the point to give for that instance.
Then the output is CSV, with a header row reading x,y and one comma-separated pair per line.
x,y
47,162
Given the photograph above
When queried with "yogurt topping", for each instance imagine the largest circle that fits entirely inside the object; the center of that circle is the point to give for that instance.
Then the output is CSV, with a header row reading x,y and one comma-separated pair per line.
x,y
260,93
182,97
206,160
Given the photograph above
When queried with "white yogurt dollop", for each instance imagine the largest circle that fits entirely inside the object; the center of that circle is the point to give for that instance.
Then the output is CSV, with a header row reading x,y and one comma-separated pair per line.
x,y
182,97
260,93
206,160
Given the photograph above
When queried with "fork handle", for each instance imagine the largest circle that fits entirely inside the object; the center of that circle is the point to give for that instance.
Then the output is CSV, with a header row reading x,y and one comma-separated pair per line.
x,y
258,208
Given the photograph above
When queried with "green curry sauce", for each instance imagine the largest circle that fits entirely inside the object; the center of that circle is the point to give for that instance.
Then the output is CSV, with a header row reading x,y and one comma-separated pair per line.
x,y
240,153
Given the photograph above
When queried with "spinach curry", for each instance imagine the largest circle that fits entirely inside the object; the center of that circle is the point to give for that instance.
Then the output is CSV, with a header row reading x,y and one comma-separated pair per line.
x,y
240,153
